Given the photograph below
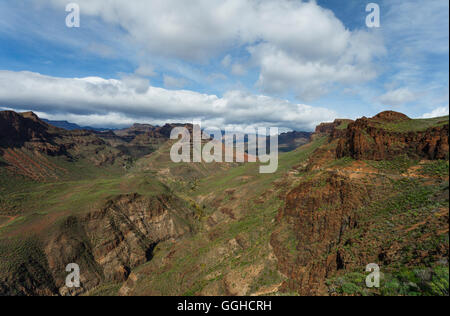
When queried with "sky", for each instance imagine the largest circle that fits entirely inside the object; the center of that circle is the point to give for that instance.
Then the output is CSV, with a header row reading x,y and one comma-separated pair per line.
x,y
289,64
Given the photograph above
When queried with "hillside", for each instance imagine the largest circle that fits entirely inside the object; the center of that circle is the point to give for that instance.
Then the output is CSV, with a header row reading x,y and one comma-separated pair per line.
x,y
383,201
374,190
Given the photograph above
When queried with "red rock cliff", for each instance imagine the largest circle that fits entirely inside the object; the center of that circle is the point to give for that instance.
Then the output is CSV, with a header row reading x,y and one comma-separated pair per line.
x,y
379,138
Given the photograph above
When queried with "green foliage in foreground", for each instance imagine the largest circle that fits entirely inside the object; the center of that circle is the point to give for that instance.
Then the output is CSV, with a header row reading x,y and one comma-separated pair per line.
x,y
402,282
439,168
398,165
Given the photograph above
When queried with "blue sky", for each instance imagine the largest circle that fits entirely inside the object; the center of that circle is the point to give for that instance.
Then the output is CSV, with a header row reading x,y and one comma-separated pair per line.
x,y
284,63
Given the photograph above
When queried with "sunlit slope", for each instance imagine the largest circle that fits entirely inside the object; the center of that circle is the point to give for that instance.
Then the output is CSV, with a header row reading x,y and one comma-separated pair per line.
x,y
236,209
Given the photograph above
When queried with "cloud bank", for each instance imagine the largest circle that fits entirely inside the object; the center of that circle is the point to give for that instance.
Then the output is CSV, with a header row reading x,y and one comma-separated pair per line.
x,y
97,101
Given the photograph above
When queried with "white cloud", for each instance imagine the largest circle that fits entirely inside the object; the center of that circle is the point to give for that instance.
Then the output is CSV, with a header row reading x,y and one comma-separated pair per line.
x,y
398,97
438,112
298,46
96,101
138,84
174,83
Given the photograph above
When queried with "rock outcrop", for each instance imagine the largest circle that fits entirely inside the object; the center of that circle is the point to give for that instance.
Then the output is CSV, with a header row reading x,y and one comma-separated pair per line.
x,y
105,243
26,141
317,212
329,128
370,139
315,236
26,129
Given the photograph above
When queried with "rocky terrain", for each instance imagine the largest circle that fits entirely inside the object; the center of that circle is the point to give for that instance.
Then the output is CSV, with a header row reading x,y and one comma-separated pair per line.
x,y
374,190
390,134
333,214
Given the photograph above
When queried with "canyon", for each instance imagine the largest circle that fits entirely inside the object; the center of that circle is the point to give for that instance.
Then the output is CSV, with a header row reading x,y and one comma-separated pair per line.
x,y
374,190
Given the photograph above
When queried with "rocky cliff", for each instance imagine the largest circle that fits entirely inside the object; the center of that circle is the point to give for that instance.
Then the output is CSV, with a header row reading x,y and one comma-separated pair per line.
x,y
348,213
387,135
17,130
26,143
106,243
317,212
369,191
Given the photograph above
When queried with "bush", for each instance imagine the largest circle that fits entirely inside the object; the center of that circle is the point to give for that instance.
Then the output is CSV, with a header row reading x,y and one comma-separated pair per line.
x,y
440,282
438,168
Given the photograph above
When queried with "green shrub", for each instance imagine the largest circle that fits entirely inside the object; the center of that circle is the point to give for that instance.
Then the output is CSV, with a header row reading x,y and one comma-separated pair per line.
x,y
439,284
439,168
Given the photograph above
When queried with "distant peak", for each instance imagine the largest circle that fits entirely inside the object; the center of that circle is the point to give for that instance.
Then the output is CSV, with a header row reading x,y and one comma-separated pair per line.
x,y
137,125
30,115
391,116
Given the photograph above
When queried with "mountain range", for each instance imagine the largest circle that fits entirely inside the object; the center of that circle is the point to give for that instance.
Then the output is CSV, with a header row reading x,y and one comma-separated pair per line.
x,y
72,126
353,193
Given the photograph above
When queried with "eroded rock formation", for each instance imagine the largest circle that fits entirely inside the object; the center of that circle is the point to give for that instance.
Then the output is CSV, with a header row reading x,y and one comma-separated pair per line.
x,y
372,139
318,212
105,243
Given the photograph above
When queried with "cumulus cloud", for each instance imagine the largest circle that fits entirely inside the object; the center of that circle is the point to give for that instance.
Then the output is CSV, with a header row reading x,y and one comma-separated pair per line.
x,y
398,97
438,112
97,101
138,84
298,46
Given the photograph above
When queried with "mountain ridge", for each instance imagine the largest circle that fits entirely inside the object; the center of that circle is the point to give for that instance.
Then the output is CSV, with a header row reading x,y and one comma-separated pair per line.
x,y
139,224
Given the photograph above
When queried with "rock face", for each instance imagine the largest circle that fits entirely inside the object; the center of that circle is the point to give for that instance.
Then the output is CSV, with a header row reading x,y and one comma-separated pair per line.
x,y
318,212
118,238
329,128
25,140
322,226
329,227
17,130
325,128
106,243
369,139
26,130
328,223
391,116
